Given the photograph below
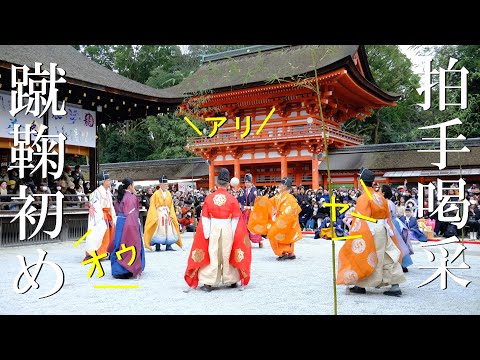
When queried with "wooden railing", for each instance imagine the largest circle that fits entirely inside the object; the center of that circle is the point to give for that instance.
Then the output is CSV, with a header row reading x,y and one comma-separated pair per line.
x,y
74,221
70,201
290,133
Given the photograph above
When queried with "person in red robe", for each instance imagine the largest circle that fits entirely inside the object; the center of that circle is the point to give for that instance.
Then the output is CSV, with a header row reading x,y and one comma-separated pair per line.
x,y
221,251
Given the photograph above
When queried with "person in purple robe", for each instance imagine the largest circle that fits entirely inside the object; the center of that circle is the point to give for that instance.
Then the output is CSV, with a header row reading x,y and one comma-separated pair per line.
x,y
412,225
127,234
246,201
400,230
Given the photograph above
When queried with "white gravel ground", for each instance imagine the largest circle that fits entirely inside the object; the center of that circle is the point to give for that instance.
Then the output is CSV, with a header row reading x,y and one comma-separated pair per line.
x,y
301,286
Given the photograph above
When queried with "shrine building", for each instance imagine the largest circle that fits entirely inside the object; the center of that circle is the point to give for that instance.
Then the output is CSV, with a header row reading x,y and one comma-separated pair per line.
x,y
249,82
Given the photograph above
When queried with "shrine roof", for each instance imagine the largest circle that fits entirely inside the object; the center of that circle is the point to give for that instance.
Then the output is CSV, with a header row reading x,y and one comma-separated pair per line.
x,y
239,68
81,70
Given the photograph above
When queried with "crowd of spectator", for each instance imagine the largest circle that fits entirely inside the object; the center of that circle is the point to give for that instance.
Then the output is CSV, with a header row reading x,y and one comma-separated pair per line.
x,y
316,216
71,184
313,217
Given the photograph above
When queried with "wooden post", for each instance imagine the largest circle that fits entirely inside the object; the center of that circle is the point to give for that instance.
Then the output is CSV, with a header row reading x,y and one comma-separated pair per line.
x,y
284,166
355,181
92,161
298,178
95,168
236,170
315,176
211,175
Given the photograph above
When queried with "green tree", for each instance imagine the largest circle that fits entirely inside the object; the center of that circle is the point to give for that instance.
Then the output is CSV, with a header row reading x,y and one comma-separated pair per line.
x,y
111,146
185,65
170,134
101,54
392,71
138,61
125,141
161,78
159,66
135,62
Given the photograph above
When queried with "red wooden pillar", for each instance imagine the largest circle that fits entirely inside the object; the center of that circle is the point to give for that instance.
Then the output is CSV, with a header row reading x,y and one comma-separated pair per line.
x,y
236,170
315,177
355,181
298,177
284,166
211,175
253,171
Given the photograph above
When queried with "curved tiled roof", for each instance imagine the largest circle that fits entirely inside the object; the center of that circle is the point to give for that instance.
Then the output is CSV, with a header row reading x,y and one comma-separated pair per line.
x,y
257,68
81,68
223,74
401,156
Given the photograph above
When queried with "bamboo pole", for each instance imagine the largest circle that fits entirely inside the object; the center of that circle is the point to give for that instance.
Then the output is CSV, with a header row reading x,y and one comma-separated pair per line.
x,y
460,212
325,147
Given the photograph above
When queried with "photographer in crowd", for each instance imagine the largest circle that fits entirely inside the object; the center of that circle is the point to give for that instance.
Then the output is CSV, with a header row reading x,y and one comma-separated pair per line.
x,y
145,198
187,222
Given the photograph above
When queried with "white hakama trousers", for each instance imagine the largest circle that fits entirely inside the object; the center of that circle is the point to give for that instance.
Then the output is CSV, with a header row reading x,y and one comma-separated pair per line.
x,y
388,270
219,248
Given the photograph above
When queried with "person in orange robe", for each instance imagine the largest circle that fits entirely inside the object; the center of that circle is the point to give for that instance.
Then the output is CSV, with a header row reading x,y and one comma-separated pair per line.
x,y
374,258
221,251
161,226
278,218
